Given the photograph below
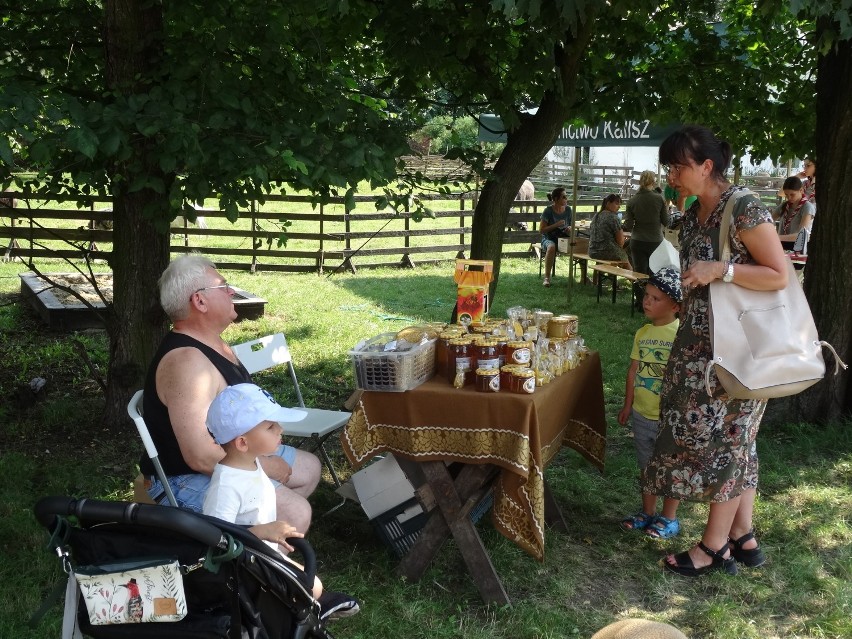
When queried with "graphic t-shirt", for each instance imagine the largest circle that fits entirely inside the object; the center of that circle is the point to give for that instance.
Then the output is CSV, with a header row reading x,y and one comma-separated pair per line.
x,y
651,348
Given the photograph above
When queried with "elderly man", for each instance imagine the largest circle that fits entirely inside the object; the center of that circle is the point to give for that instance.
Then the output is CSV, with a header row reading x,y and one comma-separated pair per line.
x,y
192,366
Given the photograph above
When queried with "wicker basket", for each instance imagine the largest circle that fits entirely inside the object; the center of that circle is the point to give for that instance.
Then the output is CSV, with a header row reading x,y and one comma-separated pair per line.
x,y
392,371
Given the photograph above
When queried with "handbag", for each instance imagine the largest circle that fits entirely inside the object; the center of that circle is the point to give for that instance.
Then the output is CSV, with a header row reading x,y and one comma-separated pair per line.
x,y
132,592
765,343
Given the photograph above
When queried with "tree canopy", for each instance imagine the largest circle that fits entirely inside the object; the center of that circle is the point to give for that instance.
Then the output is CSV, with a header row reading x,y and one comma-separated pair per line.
x,y
164,103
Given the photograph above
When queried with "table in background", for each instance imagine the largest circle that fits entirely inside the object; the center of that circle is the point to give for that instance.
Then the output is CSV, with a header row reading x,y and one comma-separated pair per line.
x,y
508,435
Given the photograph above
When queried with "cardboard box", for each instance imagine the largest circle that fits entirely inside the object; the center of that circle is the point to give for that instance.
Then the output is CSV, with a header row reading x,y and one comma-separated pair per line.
x,y
379,487
473,278
562,244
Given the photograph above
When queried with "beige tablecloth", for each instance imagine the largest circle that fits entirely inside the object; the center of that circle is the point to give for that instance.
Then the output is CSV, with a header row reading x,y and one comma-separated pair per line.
x,y
518,433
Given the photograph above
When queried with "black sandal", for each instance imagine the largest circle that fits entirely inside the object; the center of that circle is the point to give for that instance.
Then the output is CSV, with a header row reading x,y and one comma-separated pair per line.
x,y
751,557
686,568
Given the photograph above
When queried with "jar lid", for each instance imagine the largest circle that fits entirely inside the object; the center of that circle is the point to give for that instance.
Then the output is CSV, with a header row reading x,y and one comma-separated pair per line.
x,y
560,319
509,368
523,372
519,344
487,372
490,341
461,341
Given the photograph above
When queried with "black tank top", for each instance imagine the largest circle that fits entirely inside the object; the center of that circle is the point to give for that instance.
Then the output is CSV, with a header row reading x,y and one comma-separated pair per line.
x,y
157,415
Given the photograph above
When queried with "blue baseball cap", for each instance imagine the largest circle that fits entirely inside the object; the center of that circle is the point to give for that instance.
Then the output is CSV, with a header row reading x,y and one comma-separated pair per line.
x,y
239,408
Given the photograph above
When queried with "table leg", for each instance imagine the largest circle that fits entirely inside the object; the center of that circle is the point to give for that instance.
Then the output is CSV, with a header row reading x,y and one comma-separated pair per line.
x,y
614,287
454,501
552,512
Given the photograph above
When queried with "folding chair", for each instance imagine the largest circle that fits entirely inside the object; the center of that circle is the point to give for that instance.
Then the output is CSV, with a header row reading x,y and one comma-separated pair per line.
x,y
272,350
134,409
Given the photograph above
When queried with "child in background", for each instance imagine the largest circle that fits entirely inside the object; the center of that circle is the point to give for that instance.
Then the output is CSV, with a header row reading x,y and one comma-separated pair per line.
x,y
651,347
244,420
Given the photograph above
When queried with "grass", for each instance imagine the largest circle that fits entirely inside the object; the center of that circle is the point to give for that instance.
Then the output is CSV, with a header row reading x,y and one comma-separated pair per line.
x,y
590,577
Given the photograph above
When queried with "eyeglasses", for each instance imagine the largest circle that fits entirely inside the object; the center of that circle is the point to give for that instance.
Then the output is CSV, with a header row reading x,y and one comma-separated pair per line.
x,y
673,169
210,288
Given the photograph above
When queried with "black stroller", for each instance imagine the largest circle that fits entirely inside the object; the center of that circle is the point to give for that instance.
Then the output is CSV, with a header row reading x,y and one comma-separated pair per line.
x,y
228,583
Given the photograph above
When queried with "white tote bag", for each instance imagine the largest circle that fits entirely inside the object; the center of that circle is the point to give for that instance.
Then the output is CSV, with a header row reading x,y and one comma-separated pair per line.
x,y
765,343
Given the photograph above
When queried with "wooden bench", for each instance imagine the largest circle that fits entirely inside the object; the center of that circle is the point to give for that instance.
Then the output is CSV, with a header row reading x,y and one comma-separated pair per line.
x,y
583,259
614,272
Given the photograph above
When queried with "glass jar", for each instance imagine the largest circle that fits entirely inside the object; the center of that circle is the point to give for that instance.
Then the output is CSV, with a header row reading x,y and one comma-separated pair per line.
x,y
442,346
506,374
558,326
518,352
488,354
523,381
459,366
487,380
573,325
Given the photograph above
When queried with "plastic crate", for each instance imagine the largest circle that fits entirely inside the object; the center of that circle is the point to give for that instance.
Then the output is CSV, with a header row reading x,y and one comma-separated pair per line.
x,y
392,371
398,532
400,526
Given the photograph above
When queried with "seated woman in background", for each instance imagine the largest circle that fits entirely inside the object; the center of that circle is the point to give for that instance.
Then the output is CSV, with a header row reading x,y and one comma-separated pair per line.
x,y
606,239
795,214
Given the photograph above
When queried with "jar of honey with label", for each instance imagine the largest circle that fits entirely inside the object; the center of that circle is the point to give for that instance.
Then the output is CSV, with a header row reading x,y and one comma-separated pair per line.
x,y
442,346
518,352
488,354
460,361
523,380
487,380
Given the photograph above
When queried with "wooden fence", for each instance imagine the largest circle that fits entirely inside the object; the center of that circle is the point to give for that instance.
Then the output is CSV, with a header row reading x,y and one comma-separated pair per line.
x,y
318,238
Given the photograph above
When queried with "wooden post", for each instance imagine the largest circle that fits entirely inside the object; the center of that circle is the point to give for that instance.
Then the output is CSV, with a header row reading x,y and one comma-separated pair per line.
x,y
254,229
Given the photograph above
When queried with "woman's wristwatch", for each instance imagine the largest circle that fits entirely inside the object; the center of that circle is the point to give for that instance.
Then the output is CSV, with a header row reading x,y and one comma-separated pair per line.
x,y
728,275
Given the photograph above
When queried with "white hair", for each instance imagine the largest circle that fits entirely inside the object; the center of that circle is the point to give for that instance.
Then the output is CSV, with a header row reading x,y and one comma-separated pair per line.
x,y
182,277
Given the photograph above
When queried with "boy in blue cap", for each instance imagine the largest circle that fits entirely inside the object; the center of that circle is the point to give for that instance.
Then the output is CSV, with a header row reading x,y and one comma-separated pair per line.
x,y
245,421
651,347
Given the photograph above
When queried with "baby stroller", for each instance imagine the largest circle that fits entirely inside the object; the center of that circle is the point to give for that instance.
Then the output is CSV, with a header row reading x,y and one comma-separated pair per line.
x,y
138,571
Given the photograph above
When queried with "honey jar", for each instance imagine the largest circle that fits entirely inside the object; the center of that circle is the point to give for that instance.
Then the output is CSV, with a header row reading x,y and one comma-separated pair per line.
x,y
506,376
488,354
558,326
459,361
487,380
518,352
573,325
523,380
442,346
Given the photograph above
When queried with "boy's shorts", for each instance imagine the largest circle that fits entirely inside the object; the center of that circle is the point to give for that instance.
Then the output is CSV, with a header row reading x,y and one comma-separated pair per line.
x,y
190,489
645,433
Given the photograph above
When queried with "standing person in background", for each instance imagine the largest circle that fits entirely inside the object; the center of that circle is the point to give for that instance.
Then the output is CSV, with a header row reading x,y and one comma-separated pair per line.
x,y
706,450
795,213
646,217
555,223
674,198
808,177
606,239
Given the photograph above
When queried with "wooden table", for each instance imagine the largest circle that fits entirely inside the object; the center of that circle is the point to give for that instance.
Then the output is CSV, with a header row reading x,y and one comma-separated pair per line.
x,y
503,441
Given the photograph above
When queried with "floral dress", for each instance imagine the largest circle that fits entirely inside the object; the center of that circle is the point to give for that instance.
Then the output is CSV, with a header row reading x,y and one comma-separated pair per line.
x,y
705,450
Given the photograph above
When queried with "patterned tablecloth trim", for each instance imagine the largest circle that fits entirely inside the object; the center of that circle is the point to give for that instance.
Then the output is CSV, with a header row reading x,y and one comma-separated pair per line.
x,y
362,451
593,445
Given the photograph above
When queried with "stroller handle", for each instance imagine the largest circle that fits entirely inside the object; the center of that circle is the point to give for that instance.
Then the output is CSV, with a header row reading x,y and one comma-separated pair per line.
x,y
174,519
184,522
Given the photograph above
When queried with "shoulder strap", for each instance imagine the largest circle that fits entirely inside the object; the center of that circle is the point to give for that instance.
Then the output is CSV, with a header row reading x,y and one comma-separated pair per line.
x,y
725,224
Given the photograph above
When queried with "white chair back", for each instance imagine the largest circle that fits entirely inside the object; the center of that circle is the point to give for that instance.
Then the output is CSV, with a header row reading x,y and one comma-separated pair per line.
x,y
134,409
272,350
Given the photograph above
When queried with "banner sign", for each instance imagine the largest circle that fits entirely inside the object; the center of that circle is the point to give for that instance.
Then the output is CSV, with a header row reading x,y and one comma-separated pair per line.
x,y
606,133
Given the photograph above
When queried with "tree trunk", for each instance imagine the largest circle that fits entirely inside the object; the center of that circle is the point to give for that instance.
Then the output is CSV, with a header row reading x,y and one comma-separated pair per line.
x,y
133,40
828,276
526,146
